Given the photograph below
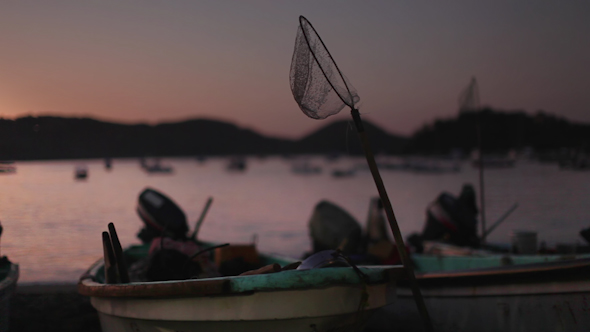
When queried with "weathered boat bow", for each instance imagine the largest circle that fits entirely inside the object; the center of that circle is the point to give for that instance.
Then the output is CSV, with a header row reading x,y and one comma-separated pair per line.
x,y
295,300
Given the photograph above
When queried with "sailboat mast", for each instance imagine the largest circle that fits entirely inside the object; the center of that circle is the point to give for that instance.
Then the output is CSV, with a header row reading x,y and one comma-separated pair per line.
x,y
481,182
469,102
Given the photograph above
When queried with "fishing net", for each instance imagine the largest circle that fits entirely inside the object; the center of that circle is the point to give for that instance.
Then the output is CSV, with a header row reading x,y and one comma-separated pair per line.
x,y
321,90
317,84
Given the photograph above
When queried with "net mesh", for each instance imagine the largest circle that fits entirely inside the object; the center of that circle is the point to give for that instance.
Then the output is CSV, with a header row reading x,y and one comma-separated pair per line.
x,y
317,84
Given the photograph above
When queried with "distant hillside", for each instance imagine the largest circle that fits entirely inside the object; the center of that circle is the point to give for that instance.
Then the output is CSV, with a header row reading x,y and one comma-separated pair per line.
x,y
342,137
70,138
500,131
67,138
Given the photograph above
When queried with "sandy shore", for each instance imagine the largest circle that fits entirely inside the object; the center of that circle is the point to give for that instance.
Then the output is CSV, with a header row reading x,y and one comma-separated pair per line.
x,y
51,308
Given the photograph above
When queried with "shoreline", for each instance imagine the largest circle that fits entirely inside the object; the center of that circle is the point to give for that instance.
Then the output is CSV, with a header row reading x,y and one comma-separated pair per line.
x,y
46,288
51,307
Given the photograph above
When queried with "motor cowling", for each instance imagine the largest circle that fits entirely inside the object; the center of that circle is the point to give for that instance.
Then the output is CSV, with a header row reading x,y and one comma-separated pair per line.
x,y
451,220
161,216
331,227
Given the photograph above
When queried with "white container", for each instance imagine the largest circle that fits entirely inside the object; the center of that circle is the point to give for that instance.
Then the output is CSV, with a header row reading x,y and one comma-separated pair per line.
x,y
524,242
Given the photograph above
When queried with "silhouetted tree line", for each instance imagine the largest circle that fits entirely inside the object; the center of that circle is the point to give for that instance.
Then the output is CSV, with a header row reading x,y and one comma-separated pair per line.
x,y
71,138
499,132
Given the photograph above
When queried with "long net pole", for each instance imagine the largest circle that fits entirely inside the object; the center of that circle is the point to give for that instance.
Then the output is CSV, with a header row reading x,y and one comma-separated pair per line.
x,y
312,94
399,241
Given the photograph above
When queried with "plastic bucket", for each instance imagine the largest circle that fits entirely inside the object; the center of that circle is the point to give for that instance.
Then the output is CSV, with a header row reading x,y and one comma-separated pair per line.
x,y
524,242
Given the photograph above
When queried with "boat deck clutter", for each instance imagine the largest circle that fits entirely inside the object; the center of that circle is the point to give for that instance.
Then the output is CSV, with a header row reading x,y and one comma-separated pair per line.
x,y
177,282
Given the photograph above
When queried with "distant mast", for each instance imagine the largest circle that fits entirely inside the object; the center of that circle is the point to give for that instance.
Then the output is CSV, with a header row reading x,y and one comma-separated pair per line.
x,y
469,98
469,103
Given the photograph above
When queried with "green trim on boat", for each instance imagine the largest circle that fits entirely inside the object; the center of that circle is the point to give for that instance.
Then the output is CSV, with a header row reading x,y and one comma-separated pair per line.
x,y
434,263
296,279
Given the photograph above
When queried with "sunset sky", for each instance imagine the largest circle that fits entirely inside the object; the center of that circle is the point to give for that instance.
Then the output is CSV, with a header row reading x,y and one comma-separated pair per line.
x,y
153,61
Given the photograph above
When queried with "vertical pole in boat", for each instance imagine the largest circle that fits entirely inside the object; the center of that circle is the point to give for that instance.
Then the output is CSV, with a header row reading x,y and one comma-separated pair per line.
x,y
201,218
399,240
110,273
118,251
481,182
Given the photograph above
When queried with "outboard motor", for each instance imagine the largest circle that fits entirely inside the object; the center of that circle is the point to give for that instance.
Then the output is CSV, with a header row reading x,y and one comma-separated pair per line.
x,y
452,220
161,216
331,227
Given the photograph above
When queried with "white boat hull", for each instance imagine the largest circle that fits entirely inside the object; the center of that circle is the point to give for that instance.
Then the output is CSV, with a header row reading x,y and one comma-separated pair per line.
x,y
290,310
535,312
119,324
325,299
556,298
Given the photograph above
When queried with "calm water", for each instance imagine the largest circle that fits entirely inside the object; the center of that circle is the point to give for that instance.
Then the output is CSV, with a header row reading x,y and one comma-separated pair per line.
x,y
53,223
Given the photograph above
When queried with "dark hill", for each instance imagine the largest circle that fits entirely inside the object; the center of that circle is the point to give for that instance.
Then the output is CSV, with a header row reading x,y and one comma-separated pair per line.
x,y
68,138
72,138
342,137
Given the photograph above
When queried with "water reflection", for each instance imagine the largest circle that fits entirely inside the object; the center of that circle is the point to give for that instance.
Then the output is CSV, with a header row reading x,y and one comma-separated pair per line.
x,y
53,224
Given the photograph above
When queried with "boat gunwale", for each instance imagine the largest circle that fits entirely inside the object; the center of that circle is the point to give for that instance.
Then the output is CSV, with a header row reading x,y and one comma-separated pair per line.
x,y
557,271
224,286
509,269
184,288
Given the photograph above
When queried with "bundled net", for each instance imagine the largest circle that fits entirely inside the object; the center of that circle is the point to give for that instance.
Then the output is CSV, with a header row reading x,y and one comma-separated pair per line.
x,y
317,84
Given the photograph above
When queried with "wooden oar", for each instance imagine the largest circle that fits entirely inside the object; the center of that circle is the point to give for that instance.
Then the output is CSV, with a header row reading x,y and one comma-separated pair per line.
x,y
201,218
119,258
